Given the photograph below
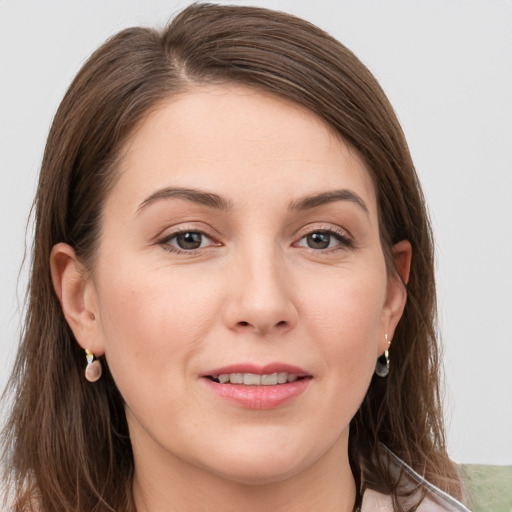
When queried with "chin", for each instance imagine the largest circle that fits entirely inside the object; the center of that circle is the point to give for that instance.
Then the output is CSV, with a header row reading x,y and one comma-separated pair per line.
x,y
260,472
253,463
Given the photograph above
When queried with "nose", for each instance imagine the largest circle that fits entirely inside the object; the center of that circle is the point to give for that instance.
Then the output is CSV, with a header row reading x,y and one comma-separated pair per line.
x,y
260,295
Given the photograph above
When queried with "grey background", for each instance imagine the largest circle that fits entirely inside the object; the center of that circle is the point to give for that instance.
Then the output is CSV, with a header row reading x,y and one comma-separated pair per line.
x,y
446,66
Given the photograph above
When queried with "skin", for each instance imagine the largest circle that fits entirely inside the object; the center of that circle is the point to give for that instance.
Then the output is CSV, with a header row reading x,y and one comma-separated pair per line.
x,y
255,291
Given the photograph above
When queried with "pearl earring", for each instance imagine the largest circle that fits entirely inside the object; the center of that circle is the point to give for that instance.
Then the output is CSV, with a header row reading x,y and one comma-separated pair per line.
x,y
382,364
93,369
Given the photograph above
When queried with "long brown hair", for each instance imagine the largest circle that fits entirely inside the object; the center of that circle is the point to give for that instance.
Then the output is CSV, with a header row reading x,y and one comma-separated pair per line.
x,y
67,443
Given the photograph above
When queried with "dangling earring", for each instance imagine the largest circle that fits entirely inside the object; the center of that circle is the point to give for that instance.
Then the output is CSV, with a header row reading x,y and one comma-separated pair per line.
x,y
93,369
382,364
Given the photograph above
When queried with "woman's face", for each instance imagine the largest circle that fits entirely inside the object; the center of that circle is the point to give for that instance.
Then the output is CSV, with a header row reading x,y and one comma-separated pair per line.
x,y
241,239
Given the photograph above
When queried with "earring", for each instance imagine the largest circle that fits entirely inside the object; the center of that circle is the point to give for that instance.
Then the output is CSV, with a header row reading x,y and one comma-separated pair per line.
x,y
93,369
382,364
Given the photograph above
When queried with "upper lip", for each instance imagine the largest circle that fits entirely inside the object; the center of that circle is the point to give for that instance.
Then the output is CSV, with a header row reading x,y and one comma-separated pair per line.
x,y
267,369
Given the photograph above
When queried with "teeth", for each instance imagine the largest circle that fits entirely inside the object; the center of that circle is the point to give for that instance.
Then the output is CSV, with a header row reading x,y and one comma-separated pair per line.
x,y
282,377
269,380
252,379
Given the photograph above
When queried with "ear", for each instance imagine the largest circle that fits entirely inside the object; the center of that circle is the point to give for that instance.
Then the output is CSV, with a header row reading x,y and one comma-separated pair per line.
x,y
396,295
77,296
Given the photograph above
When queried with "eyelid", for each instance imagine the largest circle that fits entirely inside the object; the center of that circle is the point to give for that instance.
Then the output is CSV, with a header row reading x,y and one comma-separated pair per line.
x,y
342,235
323,226
164,239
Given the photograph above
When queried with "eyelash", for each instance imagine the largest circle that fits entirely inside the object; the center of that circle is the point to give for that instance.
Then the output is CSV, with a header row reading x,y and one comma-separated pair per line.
x,y
165,242
345,242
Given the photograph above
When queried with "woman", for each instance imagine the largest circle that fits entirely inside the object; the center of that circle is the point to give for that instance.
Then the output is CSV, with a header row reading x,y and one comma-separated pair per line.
x,y
232,300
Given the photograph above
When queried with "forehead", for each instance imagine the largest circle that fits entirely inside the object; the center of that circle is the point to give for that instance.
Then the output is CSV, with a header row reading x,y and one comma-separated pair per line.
x,y
222,135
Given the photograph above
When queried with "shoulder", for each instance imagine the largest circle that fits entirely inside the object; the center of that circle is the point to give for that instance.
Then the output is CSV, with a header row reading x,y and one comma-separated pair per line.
x,y
373,501
432,498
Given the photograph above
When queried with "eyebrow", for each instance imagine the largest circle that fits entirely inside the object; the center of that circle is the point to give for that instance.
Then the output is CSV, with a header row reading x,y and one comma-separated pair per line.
x,y
218,202
196,196
331,196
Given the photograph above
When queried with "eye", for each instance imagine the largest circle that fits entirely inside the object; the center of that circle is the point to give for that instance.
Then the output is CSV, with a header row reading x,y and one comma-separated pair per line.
x,y
318,240
186,241
324,239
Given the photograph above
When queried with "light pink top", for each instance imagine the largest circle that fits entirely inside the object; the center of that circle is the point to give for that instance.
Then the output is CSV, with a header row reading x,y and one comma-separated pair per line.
x,y
435,500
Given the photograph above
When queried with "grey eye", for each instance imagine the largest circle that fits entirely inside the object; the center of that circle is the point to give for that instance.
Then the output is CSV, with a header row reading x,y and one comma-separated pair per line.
x,y
318,240
189,240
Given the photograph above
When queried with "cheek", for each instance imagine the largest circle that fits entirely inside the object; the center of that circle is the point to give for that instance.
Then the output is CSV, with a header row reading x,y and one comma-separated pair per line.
x,y
346,322
343,323
150,323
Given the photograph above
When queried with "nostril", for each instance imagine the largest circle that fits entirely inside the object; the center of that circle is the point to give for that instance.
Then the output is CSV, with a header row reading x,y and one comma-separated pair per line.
x,y
262,327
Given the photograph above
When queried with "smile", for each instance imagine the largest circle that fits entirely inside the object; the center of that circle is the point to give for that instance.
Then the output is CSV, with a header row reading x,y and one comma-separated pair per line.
x,y
258,387
253,379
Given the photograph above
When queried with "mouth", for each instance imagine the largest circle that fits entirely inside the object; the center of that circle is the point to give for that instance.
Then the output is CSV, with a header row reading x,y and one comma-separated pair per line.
x,y
258,387
254,379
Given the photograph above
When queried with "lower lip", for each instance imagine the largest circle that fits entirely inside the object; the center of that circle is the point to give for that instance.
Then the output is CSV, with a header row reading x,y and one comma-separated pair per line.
x,y
258,397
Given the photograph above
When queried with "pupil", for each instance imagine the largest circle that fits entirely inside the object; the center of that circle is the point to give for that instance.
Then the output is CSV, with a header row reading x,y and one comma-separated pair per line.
x,y
318,240
189,240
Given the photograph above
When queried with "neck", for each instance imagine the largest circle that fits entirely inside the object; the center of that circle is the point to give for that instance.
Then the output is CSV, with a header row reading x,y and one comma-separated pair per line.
x,y
173,484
